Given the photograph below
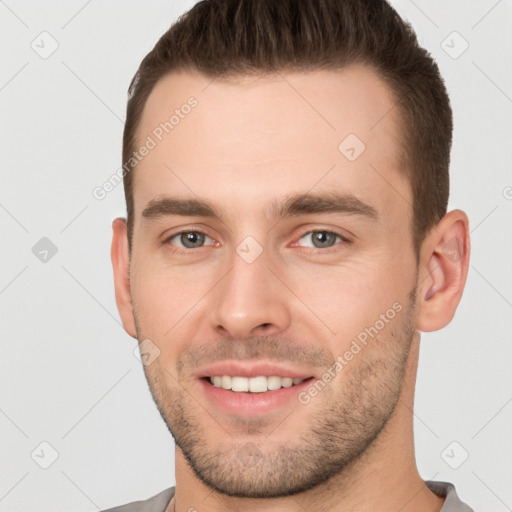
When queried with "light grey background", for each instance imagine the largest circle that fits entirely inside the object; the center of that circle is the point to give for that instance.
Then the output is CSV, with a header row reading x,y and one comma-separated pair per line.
x,y
68,376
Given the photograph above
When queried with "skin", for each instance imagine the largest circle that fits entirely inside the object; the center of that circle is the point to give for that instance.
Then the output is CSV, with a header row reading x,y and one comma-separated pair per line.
x,y
250,143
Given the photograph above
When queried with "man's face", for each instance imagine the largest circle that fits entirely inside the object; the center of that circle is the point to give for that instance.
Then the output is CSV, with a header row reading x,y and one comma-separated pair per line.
x,y
262,284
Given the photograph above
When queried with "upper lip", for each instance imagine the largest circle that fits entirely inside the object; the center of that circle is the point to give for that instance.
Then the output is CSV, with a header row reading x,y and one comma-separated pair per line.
x,y
248,370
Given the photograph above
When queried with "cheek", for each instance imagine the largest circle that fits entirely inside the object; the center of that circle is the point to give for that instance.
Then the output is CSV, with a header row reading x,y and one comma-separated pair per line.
x,y
166,299
346,299
157,301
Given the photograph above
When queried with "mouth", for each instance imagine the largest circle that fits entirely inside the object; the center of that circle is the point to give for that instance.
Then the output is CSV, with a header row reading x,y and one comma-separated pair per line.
x,y
252,396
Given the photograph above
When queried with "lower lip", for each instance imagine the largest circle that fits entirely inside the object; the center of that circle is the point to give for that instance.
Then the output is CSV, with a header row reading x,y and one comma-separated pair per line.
x,y
251,404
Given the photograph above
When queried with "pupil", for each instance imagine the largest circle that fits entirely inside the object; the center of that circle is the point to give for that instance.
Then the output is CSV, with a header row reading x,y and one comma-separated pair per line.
x,y
192,238
323,238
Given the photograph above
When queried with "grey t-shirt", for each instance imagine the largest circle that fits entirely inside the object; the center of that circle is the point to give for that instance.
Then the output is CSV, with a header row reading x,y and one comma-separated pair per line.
x,y
160,502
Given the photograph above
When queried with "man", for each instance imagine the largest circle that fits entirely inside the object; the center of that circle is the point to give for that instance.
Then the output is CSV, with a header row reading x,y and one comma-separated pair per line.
x,y
287,239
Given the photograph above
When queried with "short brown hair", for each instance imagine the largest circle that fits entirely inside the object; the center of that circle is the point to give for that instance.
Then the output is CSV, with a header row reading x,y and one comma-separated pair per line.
x,y
226,38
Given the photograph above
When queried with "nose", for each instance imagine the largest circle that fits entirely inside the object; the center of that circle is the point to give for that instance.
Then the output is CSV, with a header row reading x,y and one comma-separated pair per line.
x,y
251,300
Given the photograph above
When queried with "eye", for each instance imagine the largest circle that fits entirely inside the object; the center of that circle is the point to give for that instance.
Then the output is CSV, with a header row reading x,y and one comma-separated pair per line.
x,y
322,239
188,239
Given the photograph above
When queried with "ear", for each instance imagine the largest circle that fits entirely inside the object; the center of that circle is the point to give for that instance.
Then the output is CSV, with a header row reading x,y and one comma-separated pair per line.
x,y
120,255
444,263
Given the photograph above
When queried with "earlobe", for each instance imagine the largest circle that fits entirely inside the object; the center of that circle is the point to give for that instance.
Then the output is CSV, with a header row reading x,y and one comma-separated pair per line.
x,y
443,271
120,256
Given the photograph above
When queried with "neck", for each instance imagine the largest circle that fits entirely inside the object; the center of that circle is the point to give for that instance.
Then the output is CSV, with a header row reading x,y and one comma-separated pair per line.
x,y
384,478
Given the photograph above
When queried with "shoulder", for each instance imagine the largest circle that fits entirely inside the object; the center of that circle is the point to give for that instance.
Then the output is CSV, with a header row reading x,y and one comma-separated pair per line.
x,y
447,490
157,503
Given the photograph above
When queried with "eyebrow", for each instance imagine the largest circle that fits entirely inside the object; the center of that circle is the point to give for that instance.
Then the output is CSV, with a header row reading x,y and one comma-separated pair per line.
x,y
295,205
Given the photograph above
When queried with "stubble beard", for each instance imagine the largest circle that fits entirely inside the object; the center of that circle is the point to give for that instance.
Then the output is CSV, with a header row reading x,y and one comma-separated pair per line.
x,y
345,421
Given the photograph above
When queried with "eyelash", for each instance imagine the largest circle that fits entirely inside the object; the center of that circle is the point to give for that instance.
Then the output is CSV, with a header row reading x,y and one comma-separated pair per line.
x,y
314,250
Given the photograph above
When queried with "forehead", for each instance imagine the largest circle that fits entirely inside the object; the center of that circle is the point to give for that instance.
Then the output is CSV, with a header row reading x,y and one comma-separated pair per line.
x,y
244,138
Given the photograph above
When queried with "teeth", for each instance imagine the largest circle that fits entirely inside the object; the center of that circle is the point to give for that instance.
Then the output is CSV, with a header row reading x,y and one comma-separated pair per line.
x,y
254,384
